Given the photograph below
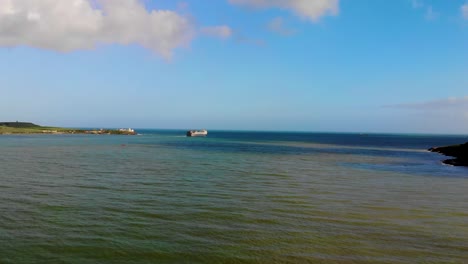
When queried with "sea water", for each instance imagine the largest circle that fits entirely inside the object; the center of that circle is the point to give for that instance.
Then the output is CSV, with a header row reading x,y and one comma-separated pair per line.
x,y
232,197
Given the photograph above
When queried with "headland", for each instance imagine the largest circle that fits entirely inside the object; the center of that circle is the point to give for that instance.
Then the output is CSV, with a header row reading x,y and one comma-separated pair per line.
x,y
11,128
459,152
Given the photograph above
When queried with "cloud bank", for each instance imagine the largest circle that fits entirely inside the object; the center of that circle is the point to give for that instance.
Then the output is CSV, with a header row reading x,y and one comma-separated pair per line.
x,y
67,25
312,10
454,109
449,115
460,103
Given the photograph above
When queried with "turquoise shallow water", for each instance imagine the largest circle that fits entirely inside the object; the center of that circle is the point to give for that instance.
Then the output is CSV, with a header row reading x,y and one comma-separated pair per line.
x,y
233,197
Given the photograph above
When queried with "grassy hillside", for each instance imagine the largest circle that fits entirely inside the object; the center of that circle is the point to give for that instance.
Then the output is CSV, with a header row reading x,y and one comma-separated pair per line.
x,y
36,130
7,128
18,124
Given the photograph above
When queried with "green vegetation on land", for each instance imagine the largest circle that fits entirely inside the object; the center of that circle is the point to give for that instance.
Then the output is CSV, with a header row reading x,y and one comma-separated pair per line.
x,y
30,128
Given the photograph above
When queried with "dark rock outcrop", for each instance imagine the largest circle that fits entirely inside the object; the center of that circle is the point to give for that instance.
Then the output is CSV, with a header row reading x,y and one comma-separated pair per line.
x,y
459,152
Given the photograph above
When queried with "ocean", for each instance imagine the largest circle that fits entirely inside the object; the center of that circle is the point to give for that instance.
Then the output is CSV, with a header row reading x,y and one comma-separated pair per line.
x,y
232,197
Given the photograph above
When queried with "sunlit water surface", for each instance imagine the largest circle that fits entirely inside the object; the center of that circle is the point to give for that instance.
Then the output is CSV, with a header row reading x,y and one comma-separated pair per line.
x,y
233,197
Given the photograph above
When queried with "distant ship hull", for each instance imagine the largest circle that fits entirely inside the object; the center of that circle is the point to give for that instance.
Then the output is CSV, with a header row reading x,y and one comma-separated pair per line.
x,y
197,133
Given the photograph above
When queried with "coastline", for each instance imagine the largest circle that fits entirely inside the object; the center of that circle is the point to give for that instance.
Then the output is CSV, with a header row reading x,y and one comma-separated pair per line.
x,y
17,128
459,152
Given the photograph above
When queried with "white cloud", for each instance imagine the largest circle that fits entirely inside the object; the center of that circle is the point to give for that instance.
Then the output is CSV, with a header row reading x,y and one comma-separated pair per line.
x,y
277,25
67,25
223,32
464,10
308,9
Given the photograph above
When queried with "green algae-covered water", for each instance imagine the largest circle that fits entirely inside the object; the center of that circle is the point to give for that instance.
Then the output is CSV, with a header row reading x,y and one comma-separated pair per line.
x,y
233,197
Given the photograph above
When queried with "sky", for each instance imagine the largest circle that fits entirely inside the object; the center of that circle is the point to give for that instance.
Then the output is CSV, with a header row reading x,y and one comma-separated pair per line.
x,y
396,66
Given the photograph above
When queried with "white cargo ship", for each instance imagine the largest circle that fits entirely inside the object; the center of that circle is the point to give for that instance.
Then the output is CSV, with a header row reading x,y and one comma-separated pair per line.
x,y
197,133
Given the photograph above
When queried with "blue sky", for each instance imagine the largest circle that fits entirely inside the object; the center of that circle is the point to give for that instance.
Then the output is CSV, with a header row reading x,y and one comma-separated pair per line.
x,y
302,65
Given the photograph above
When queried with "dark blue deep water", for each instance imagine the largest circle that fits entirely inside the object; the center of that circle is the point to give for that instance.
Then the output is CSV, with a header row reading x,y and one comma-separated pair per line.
x,y
232,197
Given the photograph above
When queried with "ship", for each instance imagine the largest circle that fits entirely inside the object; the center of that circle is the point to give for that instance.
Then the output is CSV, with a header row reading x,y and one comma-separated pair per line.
x,y
197,133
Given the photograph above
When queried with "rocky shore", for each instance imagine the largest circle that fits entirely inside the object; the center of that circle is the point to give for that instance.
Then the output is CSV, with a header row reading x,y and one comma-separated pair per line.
x,y
459,152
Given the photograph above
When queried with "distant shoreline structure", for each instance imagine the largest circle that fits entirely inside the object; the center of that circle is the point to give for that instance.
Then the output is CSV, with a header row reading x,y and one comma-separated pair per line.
x,y
14,128
197,133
